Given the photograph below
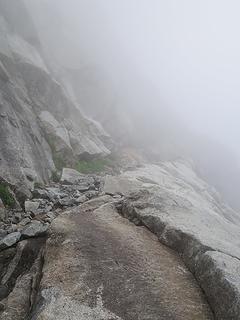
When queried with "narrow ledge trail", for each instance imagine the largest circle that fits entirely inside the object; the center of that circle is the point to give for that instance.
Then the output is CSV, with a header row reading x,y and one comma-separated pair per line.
x,y
100,266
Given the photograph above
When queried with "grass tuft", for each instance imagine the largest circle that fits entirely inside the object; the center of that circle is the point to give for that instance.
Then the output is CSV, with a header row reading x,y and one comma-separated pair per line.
x,y
6,196
92,166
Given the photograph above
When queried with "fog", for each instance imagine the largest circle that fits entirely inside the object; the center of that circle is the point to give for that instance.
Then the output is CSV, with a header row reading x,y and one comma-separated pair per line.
x,y
172,64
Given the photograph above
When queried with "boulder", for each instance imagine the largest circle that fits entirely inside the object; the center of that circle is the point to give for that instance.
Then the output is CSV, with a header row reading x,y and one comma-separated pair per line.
x,y
40,193
71,176
25,221
34,229
31,206
17,216
81,199
55,193
10,240
67,202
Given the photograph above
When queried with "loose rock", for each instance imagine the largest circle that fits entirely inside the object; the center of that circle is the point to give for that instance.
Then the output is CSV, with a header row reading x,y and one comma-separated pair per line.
x,y
71,176
34,229
10,240
31,206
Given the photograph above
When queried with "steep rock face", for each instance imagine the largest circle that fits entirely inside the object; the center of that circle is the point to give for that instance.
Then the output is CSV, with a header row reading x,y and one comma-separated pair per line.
x,y
37,117
188,215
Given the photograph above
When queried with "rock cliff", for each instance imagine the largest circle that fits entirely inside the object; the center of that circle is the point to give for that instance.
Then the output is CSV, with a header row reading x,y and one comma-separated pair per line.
x,y
40,125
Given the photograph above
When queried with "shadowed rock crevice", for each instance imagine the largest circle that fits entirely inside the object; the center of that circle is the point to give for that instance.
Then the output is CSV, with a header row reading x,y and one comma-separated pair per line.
x,y
20,278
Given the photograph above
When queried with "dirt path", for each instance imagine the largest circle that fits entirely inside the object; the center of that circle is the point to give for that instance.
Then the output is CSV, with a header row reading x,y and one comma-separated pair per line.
x,y
100,266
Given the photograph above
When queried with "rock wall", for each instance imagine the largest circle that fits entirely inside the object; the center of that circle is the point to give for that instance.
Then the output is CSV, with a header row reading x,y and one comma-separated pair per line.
x,y
39,122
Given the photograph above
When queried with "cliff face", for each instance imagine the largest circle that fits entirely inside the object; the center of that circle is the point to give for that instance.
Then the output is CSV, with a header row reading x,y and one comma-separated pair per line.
x,y
39,122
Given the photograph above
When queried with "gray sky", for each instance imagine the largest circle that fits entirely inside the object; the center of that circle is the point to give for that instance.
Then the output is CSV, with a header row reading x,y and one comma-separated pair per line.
x,y
188,50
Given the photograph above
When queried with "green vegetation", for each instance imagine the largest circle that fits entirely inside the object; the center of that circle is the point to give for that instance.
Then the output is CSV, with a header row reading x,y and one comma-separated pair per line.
x,y
93,166
6,196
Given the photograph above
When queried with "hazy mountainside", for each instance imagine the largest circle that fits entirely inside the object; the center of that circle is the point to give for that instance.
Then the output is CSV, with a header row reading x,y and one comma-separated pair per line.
x,y
39,123
122,111
86,245
111,88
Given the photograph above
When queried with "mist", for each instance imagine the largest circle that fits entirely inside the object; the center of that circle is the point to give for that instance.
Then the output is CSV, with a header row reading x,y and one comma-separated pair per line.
x,y
170,69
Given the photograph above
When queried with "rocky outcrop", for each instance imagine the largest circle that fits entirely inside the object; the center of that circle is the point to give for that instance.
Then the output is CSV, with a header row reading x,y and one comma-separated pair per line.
x,y
90,252
99,266
188,216
40,126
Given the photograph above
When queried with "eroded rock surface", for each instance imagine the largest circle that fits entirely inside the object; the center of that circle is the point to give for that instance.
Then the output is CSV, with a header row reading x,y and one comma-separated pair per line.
x,y
98,265
188,216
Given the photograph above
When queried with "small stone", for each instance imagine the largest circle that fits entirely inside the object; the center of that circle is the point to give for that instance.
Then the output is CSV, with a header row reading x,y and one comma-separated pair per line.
x,y
10,240
81,199
25,221
67,202
17,217
51,215
117,196
91,194
12,228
